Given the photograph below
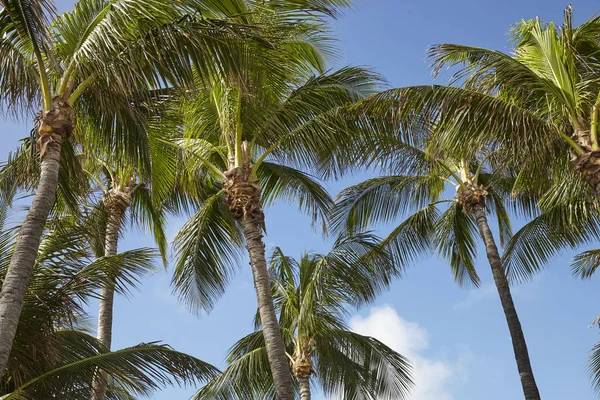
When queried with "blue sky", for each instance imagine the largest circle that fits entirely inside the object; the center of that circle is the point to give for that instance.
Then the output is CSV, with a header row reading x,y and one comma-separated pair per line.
x,y
457,338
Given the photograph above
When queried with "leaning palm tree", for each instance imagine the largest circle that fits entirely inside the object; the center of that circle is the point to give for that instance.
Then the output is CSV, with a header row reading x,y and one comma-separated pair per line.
x,y
313,296
94,51
418,184
105,50
52,355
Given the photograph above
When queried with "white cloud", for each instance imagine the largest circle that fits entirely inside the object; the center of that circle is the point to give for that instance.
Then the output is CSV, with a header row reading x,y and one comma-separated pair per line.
x,y
434,377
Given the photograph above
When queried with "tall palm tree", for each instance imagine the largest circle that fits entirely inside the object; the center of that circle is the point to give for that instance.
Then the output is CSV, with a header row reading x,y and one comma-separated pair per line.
x,y
313,296
52,355
244,146
105,49
251,137
416,188
123,198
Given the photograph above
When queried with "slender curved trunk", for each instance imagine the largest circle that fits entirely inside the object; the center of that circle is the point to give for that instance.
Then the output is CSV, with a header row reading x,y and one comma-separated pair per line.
x,y
304,383
530,388
275,350
21,265
55,125
107,295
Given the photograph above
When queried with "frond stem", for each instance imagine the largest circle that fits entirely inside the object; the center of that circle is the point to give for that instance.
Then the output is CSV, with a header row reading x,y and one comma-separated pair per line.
x,y
572,143
239,157
594,127
95,179
43,80
480,166
64,80
452,173
81,88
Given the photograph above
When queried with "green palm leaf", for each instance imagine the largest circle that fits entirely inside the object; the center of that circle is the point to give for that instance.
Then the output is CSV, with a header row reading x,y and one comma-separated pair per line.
x,y
208,250
139,369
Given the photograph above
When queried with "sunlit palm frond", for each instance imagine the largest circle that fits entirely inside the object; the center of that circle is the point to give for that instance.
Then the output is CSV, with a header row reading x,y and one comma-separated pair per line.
x,y
594,366
18,76
125,270
470,120
509,73
414,237
585,264
555,229
151,216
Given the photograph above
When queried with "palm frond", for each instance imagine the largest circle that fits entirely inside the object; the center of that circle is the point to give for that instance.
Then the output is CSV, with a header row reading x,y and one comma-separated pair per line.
x,y
541,239
140,369
247,377
466,121
360,367
280,182
414,237
382,199
594,367
207,250
455,238
584,265
125,270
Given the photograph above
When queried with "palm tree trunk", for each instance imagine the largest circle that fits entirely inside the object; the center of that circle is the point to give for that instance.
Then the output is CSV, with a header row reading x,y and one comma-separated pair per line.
x,y
105,310
278,360
530,388
304,381
21,265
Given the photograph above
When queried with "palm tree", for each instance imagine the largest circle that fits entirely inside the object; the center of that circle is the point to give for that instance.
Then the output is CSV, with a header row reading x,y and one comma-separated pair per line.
x,y
243,148
312,297
123,198
52,355
252,137
417,184
105,51
538,105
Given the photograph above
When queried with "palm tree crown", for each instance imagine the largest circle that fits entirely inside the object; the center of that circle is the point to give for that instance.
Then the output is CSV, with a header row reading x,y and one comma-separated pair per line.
x,y
312,296
416,187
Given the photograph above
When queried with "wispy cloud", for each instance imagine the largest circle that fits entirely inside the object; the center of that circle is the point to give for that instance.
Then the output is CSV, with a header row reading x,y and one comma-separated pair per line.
x,y
476,296
434,376
526,291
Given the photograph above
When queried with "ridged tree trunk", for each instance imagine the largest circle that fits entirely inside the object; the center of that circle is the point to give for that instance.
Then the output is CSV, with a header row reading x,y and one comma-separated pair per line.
x,y
243,197
530,388
302,368
304,383
55,126
116,202
274,345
